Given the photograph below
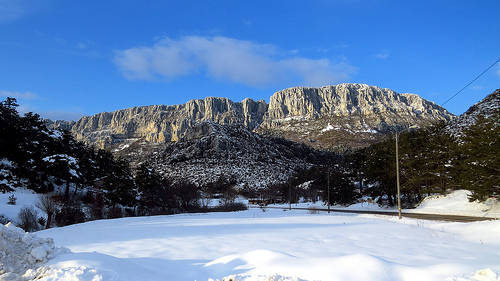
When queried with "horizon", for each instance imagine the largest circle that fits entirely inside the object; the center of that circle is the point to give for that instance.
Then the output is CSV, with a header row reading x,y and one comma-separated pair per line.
x,y
68,60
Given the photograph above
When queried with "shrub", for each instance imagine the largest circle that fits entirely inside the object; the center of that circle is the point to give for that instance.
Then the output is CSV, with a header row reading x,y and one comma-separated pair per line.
x,y
69,214
12,200
28,219
115,212
232,207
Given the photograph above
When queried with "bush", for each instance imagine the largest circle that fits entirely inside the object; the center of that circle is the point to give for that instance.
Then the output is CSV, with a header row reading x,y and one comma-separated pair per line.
x,y
28,219
12,200
69,214
115,213
232,207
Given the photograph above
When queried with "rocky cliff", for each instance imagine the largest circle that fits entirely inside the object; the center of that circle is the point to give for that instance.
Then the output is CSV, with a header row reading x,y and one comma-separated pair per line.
x,y
163,123
349,115
345,115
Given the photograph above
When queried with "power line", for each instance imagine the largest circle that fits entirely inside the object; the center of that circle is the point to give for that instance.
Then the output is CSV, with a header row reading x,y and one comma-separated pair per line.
x,y
470,82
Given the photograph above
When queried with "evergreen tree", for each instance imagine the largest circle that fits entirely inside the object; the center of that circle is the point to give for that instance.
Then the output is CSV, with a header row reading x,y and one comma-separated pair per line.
x,y
153,189
480,166
119,184
380,170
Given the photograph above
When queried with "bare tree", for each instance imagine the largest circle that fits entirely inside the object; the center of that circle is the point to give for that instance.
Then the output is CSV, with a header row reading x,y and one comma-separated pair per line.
x,y
48,205
28,219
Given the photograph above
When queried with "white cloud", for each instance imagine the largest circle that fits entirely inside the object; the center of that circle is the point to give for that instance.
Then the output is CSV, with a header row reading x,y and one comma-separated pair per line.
x,y
383,55
17,95
229,59
498,71
12,10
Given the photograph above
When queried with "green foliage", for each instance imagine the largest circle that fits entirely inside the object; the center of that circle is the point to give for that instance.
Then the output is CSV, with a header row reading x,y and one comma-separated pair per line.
x,y
119,184
480,158
432,161
46,160
379,161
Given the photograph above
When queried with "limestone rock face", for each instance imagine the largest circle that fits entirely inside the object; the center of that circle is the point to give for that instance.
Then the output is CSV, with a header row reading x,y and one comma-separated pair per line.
x,y
345,115
350,115
163,123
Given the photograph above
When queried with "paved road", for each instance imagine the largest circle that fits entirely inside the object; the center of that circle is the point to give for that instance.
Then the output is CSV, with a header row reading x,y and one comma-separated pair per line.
x,y
452,218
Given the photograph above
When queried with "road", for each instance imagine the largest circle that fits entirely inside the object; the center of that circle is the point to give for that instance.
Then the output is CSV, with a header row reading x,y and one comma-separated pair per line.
x,y
434,217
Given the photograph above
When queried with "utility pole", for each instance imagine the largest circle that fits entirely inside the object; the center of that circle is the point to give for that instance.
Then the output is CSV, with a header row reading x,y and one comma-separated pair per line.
x,y
397,167
328,185
397,177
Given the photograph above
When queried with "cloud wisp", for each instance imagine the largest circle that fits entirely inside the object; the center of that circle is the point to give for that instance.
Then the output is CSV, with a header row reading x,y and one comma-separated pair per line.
x,y
228,59
17,95
383,55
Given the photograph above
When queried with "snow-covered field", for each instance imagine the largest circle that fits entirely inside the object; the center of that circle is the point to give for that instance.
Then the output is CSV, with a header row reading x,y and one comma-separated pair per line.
x,y
272,245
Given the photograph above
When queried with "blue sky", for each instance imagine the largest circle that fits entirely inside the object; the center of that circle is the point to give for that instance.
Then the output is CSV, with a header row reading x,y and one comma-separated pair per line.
x,y
66,59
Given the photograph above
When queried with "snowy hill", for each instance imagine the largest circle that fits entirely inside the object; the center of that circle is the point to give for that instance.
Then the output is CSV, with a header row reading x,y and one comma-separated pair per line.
x,y
485,107
255,245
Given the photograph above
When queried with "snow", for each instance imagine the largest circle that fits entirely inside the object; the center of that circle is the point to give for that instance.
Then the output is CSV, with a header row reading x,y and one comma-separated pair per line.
x,y
22,252
270,244
328,128
457,203
24,198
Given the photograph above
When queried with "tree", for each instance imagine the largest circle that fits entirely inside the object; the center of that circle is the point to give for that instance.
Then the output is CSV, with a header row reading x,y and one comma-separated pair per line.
x,y
48,205
342,189
186,193
381,170
153,189
426,163
28,217
480,165
119,184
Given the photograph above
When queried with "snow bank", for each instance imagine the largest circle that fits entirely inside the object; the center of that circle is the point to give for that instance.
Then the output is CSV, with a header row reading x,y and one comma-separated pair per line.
x,y
21,253
457,203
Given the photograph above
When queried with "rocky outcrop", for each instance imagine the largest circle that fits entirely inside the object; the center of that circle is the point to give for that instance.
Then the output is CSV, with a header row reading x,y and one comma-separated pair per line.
x,y
163,123
350,115
210,151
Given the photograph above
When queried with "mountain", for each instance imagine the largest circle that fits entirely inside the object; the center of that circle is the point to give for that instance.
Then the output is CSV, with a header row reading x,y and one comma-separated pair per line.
x,y
345,115
164,123
209,151
485,107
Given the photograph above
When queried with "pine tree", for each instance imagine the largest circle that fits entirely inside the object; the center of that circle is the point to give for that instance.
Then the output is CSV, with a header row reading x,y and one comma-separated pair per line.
x,y
149,186
119,184
481,158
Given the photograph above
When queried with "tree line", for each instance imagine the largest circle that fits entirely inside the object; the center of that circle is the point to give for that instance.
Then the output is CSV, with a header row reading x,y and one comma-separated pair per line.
x,y
84,183
431,161
87,183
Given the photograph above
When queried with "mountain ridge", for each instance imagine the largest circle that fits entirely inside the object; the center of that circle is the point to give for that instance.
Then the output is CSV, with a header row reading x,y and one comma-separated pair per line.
x,y
358,113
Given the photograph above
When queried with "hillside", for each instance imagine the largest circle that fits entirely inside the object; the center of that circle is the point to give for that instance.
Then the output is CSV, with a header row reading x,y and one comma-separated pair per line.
x,y
486,107
209,150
